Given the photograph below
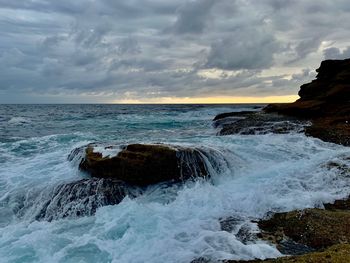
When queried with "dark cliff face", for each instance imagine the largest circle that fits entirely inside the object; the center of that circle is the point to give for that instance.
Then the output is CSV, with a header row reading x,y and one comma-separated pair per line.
x,y
331,84
326,101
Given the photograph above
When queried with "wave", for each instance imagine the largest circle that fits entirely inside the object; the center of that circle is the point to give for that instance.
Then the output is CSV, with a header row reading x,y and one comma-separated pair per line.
x,y
19,120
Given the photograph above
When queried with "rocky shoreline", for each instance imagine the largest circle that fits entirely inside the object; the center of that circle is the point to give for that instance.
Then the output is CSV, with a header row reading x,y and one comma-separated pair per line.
x,y
323,111
311,235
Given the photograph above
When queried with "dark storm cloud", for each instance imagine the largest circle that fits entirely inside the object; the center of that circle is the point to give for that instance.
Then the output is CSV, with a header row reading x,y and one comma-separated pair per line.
x,y
155,48
244,49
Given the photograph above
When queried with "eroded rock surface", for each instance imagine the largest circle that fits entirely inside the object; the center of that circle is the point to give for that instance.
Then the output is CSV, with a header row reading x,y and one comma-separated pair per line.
x,y
257,123
142,164
316,228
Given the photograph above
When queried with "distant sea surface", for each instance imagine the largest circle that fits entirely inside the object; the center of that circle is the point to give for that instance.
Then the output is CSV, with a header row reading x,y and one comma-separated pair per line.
x,y
259,174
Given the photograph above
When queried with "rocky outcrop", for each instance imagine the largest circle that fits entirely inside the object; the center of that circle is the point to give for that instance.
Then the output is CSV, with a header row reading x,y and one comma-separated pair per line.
x,y
324,230
73,199
256,123
315,228
142,164
326,101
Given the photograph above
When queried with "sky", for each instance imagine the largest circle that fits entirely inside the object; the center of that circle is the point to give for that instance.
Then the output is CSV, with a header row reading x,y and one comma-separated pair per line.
x,y
166,51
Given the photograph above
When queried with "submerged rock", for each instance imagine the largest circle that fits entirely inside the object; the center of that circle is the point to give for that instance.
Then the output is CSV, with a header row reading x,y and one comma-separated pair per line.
x,y
252,123
75,199
142,164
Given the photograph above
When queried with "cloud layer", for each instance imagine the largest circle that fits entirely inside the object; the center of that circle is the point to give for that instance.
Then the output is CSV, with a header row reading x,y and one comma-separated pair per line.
x,y
110,51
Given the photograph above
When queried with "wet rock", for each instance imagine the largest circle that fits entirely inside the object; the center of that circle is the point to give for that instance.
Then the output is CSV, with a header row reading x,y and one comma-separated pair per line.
x,y
229,224
82,198
142,164
339,205
262,123
204,260
233,114
331,129
73,199
315,228
290,247
243,230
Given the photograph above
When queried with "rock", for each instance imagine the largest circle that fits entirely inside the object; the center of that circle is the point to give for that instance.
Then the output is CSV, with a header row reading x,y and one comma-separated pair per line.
x,y
315,228
233,114
331,129
240,228
82,198
339,205
142,164
74,199
261,123
326,101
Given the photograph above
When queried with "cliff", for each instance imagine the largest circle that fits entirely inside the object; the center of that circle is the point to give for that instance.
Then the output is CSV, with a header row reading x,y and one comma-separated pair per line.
x,y
325,101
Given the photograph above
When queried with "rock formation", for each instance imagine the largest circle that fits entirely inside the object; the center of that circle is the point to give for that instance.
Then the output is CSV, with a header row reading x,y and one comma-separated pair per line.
x,y
142,164
73,199
326,101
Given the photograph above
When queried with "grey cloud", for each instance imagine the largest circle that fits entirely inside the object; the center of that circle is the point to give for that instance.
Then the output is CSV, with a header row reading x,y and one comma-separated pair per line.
x,y
158,47
192,16
244,49
129,46
336,53
305,47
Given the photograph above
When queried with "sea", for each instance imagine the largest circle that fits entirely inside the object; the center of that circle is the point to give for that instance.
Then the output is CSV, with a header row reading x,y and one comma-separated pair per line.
x,y
254,176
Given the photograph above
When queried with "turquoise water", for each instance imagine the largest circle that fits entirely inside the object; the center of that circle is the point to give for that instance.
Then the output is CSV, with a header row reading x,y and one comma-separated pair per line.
x,y
256,174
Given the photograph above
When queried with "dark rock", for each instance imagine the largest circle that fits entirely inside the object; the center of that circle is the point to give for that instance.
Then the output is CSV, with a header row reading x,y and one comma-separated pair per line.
x,y
339,205
331,129
83,197
229,224
263,123
140,164
74,199
315,228
290,247
233,114
239,228
204,260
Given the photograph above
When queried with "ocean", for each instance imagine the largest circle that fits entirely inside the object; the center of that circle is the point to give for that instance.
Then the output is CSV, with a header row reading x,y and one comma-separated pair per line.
x,y
254,176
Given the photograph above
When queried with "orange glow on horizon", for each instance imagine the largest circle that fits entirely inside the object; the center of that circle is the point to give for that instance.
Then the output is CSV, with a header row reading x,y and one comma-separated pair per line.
x,y
210,100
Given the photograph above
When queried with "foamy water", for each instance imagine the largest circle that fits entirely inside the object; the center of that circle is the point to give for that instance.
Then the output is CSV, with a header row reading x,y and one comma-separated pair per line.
x,y
253,176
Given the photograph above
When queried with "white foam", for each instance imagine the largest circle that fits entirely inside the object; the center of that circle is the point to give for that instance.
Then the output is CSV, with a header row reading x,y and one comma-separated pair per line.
x,y
108,151
257,174
19,120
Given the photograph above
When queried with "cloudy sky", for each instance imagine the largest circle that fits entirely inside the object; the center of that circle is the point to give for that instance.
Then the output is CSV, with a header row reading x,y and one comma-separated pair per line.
x,y
164,51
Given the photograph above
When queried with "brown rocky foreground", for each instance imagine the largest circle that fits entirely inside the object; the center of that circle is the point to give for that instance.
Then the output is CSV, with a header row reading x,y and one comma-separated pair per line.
x,y
325,230
146,164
